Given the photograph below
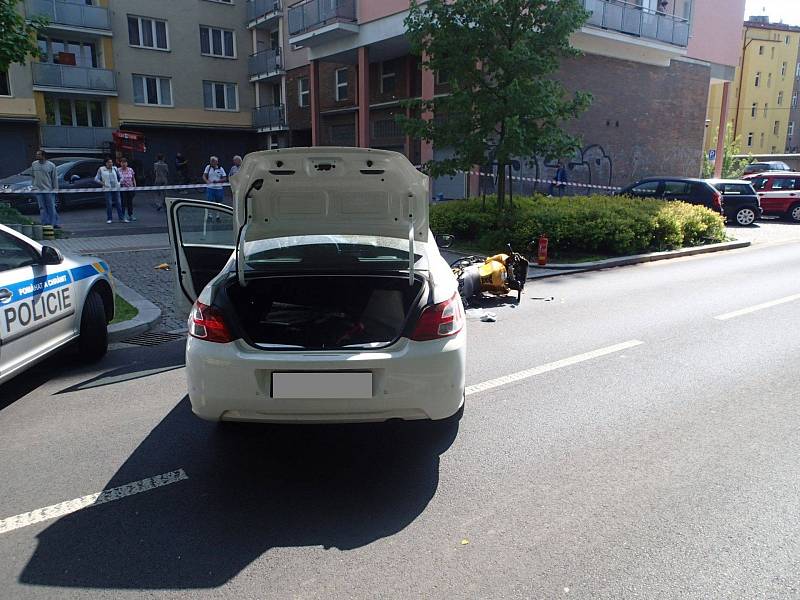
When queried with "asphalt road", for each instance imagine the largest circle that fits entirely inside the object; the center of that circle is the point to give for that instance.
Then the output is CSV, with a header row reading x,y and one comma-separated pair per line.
x,y
600,468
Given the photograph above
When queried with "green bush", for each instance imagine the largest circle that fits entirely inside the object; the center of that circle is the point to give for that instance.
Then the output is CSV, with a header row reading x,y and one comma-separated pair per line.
x,y
9,216
612,225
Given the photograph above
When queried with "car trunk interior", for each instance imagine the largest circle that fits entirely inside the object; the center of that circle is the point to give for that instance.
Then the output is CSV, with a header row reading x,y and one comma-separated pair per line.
x,y
323,312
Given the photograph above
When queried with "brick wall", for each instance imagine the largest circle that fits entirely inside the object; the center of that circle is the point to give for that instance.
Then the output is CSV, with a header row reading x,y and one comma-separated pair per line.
x,y
644,120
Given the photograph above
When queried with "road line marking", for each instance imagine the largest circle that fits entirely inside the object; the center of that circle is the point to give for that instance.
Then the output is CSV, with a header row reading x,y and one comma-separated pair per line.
x,y
752,309
564,362
70,506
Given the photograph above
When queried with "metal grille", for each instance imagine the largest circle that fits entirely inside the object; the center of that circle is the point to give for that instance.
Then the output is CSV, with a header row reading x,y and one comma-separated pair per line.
x,y
154,338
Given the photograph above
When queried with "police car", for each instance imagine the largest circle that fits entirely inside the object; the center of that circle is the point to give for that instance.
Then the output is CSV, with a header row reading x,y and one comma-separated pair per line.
x,y
47,301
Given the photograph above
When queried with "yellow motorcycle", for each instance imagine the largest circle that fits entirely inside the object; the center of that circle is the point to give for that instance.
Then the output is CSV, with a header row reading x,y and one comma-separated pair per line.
x,y
497,275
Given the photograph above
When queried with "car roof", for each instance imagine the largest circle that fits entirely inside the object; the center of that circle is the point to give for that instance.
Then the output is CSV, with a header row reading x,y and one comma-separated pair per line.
x,y
671,178
777,173
713,181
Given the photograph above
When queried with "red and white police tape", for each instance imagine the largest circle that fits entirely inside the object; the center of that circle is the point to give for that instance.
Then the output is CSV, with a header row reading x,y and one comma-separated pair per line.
x,y
140,188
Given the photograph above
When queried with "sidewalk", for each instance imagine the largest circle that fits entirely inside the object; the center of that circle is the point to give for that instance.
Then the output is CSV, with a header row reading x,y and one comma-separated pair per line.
x,y
113,243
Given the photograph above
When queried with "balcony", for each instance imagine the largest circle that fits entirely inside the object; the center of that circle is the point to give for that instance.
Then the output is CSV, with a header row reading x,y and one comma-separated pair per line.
x,y
271,117
48,77
265,64
69,15
316,22
634,20
261,12
82,138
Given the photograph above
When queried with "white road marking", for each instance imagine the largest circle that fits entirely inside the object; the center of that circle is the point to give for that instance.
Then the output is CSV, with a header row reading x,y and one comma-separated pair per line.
x,y
752,309
70,506
564,362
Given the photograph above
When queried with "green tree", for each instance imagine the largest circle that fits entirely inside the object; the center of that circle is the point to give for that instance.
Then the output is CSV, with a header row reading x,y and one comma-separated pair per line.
x,y
17,36
497,56
732,168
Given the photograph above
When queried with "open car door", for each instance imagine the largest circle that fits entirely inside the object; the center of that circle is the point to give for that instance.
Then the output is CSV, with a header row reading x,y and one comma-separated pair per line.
x,y
202,239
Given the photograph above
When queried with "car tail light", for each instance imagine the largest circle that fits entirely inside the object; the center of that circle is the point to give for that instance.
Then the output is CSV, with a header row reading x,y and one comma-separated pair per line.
x,y
440,320
206,323
716,201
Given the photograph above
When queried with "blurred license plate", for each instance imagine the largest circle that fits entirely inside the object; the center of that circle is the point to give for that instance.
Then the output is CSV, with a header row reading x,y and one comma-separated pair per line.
x,y
322,385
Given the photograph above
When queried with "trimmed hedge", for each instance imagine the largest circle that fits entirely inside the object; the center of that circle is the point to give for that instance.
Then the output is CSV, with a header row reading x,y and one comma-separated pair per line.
x,y
9,216
613,225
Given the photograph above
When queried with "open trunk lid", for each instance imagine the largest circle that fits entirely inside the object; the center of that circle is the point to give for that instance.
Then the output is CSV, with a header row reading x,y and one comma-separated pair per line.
x,y
329,191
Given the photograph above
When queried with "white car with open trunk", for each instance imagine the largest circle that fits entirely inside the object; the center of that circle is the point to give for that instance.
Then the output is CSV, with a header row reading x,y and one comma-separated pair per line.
x,y
321,296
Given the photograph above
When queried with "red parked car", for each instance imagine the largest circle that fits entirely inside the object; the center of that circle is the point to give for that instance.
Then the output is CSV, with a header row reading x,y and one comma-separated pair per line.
x,y
779,193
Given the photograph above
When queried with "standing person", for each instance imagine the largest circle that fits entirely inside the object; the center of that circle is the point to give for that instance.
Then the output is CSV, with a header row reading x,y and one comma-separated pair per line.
x,y
160,177
560,179
45,181
237,164
181,169
213,175
127,179
108,176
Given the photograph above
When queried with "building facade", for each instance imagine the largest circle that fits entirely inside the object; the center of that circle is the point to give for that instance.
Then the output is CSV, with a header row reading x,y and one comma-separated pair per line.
x,y
229,76
792,131
763,97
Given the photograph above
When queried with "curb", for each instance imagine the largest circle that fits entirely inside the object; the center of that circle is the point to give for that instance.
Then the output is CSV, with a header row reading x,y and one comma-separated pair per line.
x,y
565,269
148,314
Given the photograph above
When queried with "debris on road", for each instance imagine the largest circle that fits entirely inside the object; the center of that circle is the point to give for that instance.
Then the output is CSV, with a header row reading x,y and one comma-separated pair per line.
x,y
162,267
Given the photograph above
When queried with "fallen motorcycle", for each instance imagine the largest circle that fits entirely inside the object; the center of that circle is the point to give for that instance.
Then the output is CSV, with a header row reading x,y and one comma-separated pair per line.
x,y
497,275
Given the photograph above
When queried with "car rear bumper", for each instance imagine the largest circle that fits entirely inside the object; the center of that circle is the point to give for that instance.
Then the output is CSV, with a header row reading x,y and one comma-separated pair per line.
x,y
410,380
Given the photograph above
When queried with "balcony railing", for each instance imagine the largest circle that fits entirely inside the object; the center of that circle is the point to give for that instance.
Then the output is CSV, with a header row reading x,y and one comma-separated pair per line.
x,y
317,13
261,8
70,13
271,116
632,19
60,136
266,62
73,78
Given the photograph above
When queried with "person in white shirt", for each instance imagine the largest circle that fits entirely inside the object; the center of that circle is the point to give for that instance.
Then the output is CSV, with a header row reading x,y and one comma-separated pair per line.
x,y
213,175
237,164
108,176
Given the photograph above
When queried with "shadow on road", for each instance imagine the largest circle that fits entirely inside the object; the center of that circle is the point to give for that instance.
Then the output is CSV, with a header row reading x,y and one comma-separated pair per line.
x,y
250,488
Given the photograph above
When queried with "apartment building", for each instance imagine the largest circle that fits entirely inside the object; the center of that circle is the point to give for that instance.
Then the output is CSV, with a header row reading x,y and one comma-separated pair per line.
x,y
649,78
175,71
792,131
763,95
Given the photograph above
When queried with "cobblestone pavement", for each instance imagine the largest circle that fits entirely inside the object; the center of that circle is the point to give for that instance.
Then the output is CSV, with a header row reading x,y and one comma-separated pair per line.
x,y
767,230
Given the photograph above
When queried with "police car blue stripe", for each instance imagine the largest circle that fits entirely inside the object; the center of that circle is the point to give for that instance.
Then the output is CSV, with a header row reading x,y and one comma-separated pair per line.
x,y
34,287
83,272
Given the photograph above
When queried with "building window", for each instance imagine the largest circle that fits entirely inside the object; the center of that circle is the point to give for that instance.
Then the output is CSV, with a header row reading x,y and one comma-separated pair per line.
x,y
69,112
303,92
217,42
753,109
388,76
787,40
750,140
766,108
341,84
780,98
794,99
144,32
783,69
758,78
790,129
761,50
797,71
772,52
5,87
769,79
218,95
68,52
776,128
152,91
761,140
276,95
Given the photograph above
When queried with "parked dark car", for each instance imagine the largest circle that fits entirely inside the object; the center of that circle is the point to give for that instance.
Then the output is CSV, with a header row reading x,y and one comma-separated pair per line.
x,y
73,173
766,166
736,200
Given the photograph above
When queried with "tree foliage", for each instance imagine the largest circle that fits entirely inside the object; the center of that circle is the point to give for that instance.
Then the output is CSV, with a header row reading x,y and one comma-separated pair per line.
x,y
17,36
732,168
497,56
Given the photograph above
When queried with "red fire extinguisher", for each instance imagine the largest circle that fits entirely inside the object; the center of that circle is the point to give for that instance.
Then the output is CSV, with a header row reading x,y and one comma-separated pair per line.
x,y
542,258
